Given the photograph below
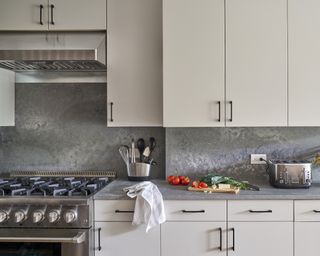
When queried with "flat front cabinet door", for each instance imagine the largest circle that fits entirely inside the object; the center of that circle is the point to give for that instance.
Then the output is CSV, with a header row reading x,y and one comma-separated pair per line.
x,y
77,14
121,238
193,239
304,61
23,15
256,62
134,60
193,56
7,98
260,238
306,239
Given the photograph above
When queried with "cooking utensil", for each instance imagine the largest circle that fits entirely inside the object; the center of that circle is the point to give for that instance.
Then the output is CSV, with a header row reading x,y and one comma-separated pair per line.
x,y
152,162
146,152
253,187
124,152
152,145
141,145
133,152
232,190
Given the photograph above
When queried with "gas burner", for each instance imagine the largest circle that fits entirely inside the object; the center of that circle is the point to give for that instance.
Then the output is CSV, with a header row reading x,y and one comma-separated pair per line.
x,y
52,186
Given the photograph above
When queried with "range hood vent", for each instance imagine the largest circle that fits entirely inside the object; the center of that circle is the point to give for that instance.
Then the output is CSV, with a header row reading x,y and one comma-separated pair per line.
x,y
63,52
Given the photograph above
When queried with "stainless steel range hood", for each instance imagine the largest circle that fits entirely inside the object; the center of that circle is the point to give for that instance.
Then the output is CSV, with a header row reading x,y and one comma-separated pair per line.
x,y
21,52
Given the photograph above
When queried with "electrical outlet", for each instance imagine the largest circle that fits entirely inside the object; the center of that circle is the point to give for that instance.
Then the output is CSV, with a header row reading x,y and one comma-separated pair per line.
x,y
255,158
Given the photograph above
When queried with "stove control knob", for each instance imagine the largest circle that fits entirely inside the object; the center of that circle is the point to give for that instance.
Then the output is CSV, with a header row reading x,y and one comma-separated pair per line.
x,y
38,216
20,216
4,216
53,216
70,216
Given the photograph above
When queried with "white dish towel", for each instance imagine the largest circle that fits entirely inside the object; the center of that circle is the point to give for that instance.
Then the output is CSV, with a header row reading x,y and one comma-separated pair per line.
x,y
149,207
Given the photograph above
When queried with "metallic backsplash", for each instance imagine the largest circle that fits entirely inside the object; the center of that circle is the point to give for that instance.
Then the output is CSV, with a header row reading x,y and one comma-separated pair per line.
x,y
64,127
197,151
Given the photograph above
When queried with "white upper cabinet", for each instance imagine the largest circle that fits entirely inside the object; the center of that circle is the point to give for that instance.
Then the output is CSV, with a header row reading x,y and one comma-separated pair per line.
x,y
304,61
62,15
23,15
7,98
134,60
225,63
193,56
256,62
77,14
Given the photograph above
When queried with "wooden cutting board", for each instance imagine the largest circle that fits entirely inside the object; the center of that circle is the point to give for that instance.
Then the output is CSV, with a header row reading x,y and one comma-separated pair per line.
x,y
216,190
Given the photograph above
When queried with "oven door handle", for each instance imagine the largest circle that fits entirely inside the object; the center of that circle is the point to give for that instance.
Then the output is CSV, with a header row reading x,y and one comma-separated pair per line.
x,y
78,239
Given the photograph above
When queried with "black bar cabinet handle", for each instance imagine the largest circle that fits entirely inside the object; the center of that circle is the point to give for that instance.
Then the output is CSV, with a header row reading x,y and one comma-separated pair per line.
x,y
200,211
316,211
99,239
219,103
52,19
231,111
234,239
118,211
111,112
41,11
266,211
220,247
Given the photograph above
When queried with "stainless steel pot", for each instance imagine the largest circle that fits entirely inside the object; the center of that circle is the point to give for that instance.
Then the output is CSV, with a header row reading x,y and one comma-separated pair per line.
x,y
138,171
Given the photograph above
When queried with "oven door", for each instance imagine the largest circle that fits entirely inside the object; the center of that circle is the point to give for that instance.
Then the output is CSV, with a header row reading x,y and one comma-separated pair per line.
x,y
44,242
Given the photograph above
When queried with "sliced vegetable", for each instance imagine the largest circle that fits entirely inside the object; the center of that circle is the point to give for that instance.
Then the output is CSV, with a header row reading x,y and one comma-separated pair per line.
x,y
214,179
203,185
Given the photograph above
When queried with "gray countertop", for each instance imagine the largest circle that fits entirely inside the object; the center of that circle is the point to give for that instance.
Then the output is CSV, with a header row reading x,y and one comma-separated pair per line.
x,y
114,191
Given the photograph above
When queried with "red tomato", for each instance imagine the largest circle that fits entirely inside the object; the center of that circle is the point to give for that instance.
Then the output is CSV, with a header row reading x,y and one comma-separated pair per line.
x,y
185,181
170,179
176,181
203,185
181,178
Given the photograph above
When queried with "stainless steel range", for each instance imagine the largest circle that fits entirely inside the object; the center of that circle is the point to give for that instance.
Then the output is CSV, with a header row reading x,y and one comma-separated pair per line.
x,y
49,213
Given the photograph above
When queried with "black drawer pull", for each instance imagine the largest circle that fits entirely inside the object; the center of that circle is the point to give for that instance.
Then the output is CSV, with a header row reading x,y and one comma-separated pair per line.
x,y
41,11
111,112
52,18
266,211
234,239
231,111
219,103
220,247
118,211
99,239
200,211
316,211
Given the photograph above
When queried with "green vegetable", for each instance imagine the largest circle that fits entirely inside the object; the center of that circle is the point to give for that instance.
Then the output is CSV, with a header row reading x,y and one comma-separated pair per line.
x,y
214,179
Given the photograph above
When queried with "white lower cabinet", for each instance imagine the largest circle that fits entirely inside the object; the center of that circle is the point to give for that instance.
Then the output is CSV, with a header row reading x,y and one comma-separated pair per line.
x,y
306,242
211,227
116,236
307,228
193,238
121,238
260,238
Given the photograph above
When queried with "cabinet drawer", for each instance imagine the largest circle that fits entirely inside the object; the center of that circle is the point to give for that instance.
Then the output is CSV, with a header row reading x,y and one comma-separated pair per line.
x,y
114,210
307,210
262,210
195,210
